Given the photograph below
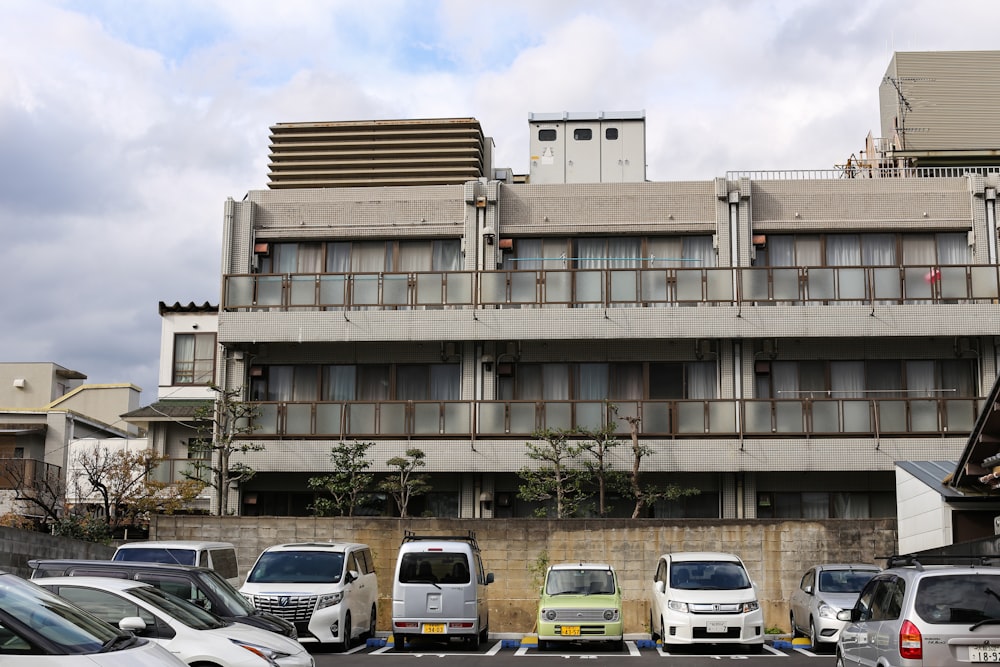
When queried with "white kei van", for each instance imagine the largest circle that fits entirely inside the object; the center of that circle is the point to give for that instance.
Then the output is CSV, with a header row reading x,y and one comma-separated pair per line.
x,y
218,556
327,589
439,590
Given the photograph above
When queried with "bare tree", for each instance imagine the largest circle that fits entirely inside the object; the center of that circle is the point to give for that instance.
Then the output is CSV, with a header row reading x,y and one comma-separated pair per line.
x,y
38,485
405,483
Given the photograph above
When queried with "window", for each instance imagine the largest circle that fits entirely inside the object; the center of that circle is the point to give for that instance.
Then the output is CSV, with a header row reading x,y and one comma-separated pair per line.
x,y
194,358
618,252
825,504
786,250
360,382
610,381
363,256
583,134
611,133
547,135
941,378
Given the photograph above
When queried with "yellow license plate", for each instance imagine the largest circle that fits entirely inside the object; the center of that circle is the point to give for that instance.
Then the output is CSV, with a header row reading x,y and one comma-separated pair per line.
x,y
433,628
570,631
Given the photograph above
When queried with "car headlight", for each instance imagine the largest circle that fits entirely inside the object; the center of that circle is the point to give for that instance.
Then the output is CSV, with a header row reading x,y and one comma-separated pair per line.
x,y
827,611
329,599
249,598
674,605
610,614
750,606
270,655
549,614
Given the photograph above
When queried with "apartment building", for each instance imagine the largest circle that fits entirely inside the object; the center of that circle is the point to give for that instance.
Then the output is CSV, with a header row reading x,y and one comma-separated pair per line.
x,y
781,340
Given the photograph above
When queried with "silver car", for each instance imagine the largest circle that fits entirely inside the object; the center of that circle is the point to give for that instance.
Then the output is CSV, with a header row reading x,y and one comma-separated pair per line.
x,y
823,592
914,614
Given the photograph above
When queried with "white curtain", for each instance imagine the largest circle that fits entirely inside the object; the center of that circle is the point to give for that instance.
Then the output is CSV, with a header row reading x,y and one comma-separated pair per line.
x,y
808,250
446,382
446,255
667,252
847,379
280,383
624,252
843,250
781,250
368,257
411,383
626,382
413,256
878,250
701,379
953,248
918,250
593,382
338,257
555,381
339,383
920,379
815,505
373,382
310,258
699,249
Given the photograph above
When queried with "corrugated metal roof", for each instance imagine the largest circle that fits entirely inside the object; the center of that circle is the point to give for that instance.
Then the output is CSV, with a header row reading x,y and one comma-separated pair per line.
x,y
167,410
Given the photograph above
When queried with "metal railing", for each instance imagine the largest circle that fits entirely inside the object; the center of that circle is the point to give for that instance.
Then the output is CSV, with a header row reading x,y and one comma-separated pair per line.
x,y
669,419
859,171
614,288
171,471
15,472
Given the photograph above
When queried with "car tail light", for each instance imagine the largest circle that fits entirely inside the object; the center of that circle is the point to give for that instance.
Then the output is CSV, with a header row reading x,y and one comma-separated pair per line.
x,y
911,644
459,625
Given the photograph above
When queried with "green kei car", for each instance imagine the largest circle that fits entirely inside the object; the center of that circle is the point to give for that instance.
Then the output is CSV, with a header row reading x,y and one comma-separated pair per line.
x,y
581,602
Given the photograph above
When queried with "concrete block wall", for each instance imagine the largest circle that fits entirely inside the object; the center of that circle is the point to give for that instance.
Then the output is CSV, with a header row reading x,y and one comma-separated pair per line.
x,y
17,547
776,552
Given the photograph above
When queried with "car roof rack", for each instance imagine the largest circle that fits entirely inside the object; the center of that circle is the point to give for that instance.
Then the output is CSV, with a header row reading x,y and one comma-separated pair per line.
x,y
470,537
919,560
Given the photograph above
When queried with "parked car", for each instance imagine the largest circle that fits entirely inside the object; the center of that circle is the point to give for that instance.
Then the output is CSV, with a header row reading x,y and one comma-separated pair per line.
x,y
580,602
200,585
218,556
192,634
920,611
439,590
705,598
39,629
328,590
824,591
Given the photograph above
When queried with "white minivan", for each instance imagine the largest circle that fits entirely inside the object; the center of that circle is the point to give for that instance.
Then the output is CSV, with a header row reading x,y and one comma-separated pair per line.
x,y
327,589
439,590
705,598
218,556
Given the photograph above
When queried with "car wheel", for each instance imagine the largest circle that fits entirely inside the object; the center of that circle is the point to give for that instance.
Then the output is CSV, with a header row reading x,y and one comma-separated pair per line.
x,y
653,635
398,642
791,622
618,645
840,660
814,636
345,645
473,642
544,645
753,649
663,631
371,623
484,635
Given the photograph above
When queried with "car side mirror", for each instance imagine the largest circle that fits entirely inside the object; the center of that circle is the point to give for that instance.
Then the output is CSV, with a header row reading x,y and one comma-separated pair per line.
x,y
352,575
489,578
660,587
845,615
808,589
132,624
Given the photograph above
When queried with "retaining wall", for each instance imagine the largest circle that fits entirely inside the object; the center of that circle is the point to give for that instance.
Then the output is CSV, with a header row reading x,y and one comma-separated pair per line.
x,y
17,547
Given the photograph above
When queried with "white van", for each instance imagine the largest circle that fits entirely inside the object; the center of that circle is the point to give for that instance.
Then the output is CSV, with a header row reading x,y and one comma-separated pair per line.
x,y
327,589
218,556
439,590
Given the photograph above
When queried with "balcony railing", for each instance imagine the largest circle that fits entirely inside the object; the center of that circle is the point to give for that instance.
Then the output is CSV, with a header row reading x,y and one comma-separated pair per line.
x,y
729,418
172,471
614,288
28,473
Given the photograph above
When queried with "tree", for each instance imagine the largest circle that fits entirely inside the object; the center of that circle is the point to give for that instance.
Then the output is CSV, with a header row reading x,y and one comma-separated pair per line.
x,y
405,483
560,478
37,485
347,481
598,446
646,496
223,427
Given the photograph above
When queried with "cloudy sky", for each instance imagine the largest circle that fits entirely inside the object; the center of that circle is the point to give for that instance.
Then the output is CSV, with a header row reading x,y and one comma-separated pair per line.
x,y
125,124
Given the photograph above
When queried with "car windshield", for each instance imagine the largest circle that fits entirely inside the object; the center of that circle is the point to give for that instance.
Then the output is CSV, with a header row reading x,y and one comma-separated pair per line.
x,y
297,567
231,602
582,581
958,598
41,622
189,614
844,581
432,567
708,575
157,555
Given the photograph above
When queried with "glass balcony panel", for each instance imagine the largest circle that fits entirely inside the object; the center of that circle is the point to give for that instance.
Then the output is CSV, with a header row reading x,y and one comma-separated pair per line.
x,y
589,286
522,418
961,415
426,418
887,285
653,286
361,418
821,284
559,416
755,285
626,410
852,284
266,422
953,284
758,417
333,290
624,286
924,416
491,418
857,416
201,472
365,289
163,472
457,419
493,287
891,416
691,417
392,419
298,419
523,287
722,417
789,417
395,289
826,416
786,284
720,285
328,418
917,283
984,282
655,418
558,286
459,286
689,285
302,291
269,290
430,290
239,291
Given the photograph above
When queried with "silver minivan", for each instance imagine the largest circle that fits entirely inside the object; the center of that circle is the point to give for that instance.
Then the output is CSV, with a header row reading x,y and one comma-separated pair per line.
x,y
218,556
914,613
439,590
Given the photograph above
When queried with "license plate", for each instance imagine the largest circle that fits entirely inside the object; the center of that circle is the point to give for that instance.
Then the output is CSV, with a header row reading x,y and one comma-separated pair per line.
x,y
570,631
433,628
984,654
715,627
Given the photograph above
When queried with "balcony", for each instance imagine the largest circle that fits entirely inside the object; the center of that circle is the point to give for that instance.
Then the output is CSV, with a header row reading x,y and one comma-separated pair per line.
x,y
28,473
172,471
614,288
661,419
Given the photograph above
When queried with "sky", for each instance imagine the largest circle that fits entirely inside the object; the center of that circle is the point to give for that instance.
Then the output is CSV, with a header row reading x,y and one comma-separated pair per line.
x,y
126,124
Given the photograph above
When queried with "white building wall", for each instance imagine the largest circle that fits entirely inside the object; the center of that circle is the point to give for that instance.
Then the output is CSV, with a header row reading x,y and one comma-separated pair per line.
x,y
924,519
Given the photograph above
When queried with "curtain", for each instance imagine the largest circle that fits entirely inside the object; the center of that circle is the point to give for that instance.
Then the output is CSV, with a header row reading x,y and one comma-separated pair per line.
x,y
305,385
310,258
368,257
781,250
953,248
446,255
528,255
338,257
701,379
625,382
847,379
920,379
624,252
446,382
373,382
958,374
555,382
878,250
785,379
808,250
699,249
666,252
884,379
414,256
184,358
918,250
529,382
843,250
815,505
280,383
851,506
411,383
590,253
339,383
592,382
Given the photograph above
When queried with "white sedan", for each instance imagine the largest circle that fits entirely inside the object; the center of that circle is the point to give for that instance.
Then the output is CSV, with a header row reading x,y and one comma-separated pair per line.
x,y
186,630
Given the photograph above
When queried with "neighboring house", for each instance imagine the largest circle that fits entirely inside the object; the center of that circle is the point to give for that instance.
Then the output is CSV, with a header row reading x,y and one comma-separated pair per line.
x,y
44,410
